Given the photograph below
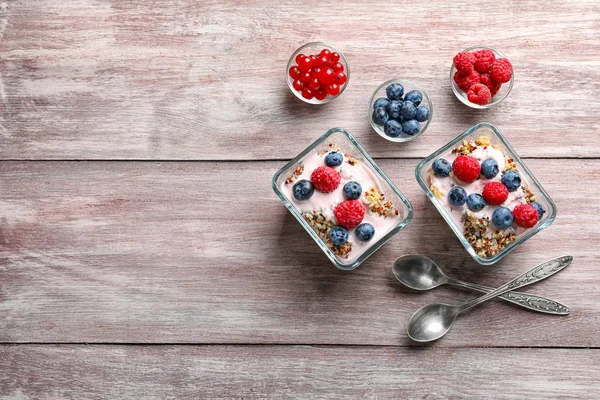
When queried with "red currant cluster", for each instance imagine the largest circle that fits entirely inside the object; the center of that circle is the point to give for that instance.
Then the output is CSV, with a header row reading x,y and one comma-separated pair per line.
x,y
318,75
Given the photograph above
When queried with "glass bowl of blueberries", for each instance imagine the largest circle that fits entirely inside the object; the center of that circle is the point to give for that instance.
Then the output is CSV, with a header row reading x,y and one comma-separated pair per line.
x,y
400,110
317,73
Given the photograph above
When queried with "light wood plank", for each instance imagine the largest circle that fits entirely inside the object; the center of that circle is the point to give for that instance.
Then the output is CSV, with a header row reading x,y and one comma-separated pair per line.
x,y
205,80
205,253
283,372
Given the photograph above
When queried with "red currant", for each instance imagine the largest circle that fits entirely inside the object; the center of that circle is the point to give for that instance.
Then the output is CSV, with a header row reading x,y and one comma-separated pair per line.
x,y
298,85
307,93
323,61
305,64
325,53
327,76
338,67
320,94
333,89
299,57
314,57
295,72
340,78
335,57
314,84
305,77
315,71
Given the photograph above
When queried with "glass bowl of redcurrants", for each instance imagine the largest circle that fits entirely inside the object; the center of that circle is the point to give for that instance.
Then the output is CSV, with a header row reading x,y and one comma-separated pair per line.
x,y
400,110
481,77
317,73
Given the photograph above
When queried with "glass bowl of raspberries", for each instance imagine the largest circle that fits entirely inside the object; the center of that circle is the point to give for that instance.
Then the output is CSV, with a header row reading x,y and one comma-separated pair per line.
x,y
317,73
400,110
481,77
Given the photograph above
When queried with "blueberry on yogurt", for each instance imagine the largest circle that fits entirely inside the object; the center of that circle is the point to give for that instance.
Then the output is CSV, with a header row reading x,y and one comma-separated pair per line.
x,y
303,190
334,159
457,196
442,167
338,235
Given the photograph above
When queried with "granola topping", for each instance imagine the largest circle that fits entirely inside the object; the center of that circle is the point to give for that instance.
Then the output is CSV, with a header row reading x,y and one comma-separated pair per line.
x,y
378,204
297,172
322,226
475,231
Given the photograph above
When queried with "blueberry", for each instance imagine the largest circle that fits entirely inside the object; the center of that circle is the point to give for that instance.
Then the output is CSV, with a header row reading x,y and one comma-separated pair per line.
x,y
393,109
475,202
352,190
365,232
338,235
538,207
394,91
442,167
502,217
334,159
457,196
411,127
303,190
392,128
422,114
415,96
380,116
408,110
489,168
381,102
512,180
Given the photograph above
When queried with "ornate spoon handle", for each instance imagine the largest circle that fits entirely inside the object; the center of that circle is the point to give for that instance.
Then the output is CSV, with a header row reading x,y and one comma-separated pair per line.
x,y
525,300
536,274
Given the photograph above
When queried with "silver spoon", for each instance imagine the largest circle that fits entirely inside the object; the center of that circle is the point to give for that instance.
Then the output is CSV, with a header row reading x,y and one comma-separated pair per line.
x,y
420,273
433,321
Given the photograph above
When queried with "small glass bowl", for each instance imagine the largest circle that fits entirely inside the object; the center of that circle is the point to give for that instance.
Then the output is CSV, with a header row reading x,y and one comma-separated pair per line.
x,y
502,93
315,48
423,171
349,146
408,86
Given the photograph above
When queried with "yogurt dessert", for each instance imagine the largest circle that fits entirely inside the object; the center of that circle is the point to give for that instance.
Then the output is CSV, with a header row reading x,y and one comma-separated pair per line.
x,y
343,200
483,191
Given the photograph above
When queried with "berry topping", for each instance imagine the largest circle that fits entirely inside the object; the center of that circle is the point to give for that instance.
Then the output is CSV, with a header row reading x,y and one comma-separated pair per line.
x,y
394,109
466,168
411,127
381,102
479,94
489,168
457,196
502,217
464,62
325,179
365,232
415,96
422,114
408,110
334,159
303,190
475,202
442,167
512,180
380,116
465,81
538,207
484,61
501,70
352,190
526,216
495,193
395,91
392,128
349,213
338,235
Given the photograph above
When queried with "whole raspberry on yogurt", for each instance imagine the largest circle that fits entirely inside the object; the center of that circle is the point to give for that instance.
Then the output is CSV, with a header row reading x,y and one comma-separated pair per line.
x,y
466,168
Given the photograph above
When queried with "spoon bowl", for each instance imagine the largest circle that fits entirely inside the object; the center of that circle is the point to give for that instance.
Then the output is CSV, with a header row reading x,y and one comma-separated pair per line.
x,y
431,322
418,272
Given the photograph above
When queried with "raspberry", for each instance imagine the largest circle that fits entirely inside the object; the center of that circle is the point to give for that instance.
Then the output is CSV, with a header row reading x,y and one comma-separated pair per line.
x,y
349,213
466,168
464,62
479,94
465,81
501,70
484,61
325,179
487,80
525,216
495,193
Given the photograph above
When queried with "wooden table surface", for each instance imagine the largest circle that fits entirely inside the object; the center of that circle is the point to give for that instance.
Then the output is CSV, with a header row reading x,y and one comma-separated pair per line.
x,y
143,253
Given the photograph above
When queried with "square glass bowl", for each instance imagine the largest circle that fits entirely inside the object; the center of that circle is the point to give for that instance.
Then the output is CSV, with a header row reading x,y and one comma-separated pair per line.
x,y
486,129
348,145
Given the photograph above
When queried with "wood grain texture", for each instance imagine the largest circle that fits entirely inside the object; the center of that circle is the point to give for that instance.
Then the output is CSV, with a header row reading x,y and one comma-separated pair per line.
x,y
282,372
91,79
204,252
